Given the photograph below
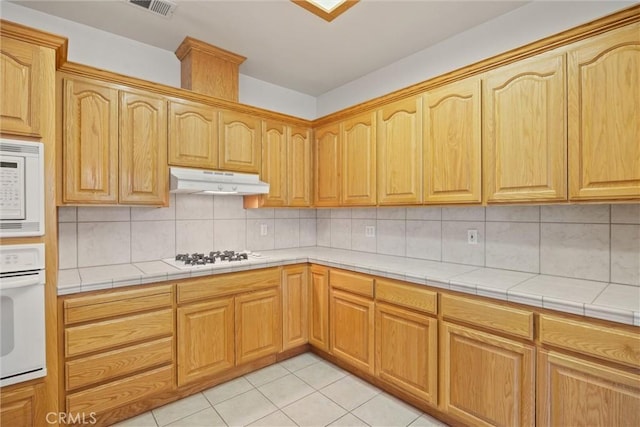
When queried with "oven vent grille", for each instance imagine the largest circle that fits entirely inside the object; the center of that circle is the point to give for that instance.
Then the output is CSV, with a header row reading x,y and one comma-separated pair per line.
x,y
163,8
19,148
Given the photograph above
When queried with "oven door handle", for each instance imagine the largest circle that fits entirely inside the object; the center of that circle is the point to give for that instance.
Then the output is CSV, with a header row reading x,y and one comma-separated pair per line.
x,y
15,282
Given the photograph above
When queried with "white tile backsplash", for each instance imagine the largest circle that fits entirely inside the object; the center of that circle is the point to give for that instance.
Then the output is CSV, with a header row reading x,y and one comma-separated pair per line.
x,y
625,254
96,213
575,250
424,239
287,233
194,206
391,236
454,242
340,233
584,214
575,241
625,214
152,240
68,239
103,243
513,246
194,235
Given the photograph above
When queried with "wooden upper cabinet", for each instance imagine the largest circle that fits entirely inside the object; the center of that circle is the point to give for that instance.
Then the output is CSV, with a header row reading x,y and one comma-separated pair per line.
x,y
23,76
274,163
299,167
193,135
327,168
240,142
525,144
90,142
604,112
452,143
399,146
359,160
143,149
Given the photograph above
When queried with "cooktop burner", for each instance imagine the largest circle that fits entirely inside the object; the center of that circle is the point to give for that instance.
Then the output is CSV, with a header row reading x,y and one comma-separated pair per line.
x,y
211,259
202,259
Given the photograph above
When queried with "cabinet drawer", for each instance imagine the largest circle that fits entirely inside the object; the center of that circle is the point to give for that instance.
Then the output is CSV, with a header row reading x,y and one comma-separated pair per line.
x,y
352,282
405,295
112,333
604,342
112,304
228,284
117,363
122,392
491,316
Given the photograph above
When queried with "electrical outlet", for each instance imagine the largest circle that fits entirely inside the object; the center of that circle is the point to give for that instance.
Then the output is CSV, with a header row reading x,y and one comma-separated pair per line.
x,y
263,229
472,237
369,231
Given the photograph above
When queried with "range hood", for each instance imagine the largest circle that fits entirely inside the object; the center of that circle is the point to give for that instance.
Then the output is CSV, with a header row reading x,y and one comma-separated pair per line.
x,y
199,181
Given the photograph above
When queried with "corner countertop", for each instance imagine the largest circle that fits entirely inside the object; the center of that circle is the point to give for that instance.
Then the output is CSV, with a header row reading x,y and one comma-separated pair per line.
x,y
608,301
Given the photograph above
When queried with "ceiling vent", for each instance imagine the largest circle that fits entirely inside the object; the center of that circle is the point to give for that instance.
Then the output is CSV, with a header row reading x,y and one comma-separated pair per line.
x,y
159,7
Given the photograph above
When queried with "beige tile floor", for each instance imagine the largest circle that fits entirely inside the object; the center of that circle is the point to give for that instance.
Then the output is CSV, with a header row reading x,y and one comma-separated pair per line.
x,y
302,391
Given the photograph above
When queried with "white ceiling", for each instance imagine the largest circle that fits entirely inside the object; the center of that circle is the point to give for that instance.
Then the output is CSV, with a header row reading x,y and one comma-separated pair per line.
x,y
285,44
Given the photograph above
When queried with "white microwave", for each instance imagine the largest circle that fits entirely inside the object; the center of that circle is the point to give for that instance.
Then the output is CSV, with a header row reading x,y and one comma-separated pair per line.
x,y
21,188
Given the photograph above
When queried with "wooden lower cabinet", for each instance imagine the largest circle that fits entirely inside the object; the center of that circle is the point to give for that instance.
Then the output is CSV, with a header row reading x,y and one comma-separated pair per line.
x,y
19,407
258,325
319,307
295,289
577,392
205,339
407,351
487,380
352,329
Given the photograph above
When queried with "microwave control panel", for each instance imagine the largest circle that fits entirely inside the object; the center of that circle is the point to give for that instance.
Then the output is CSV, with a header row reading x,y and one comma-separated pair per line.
x,y
12,203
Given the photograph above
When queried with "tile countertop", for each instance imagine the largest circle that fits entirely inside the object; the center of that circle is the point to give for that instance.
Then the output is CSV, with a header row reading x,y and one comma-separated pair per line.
x,y
609,301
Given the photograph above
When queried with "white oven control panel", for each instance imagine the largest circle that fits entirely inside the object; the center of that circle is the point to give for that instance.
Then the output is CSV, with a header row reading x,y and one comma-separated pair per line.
x,y
16,258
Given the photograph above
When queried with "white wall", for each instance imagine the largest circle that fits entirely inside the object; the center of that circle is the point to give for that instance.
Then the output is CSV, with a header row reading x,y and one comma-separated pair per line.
x,y
111,52
529,23
276,98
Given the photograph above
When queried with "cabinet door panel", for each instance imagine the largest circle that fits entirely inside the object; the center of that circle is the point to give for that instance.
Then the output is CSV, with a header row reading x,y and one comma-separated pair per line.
x,y
407,351
193,135
258,325
295,303
525,131
319,308
574,392
604,106
90,143
240,142
359,160
299,167
469,358
22,74
327,169
399,147
143,150
205,339
22,407
352,329
274,163
452,141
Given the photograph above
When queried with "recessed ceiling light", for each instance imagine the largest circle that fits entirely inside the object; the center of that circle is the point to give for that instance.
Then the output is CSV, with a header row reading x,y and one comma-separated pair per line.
x,y
326,9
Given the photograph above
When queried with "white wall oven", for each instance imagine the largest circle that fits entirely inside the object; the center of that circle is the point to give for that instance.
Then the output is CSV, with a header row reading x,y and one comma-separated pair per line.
x,y
21,188
22,324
